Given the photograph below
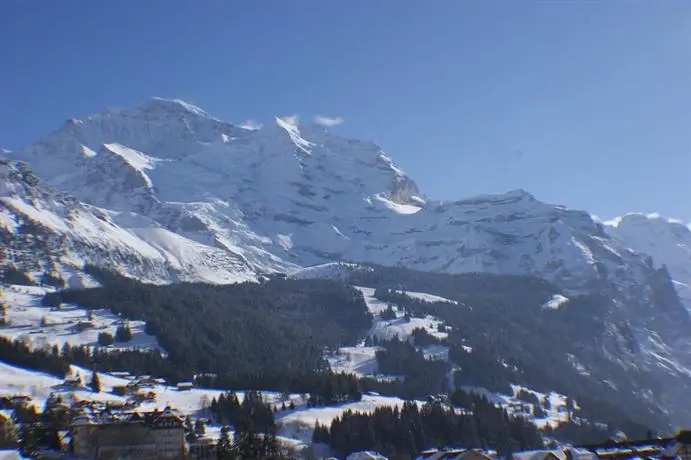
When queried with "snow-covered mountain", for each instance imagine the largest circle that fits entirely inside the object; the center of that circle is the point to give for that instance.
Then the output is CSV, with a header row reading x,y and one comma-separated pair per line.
x,y
286,196
668,241
43,229
167,192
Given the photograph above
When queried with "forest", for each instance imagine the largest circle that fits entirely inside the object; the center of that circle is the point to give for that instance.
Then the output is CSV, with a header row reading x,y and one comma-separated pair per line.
x,y
272,336
420,376
403,433
500,334
263,336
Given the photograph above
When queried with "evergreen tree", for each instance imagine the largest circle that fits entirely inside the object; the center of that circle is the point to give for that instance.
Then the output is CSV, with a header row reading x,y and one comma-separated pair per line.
x,y
388,314
105,339
403,433
49,279
95,383
123,333
199,428
225,447
320,434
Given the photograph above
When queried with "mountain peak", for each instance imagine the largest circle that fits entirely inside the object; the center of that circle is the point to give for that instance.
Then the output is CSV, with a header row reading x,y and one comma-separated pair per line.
x,y
650,219
520,193
157,106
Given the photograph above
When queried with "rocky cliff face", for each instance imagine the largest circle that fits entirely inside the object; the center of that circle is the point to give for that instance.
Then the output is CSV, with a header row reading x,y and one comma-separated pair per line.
x,y
668,241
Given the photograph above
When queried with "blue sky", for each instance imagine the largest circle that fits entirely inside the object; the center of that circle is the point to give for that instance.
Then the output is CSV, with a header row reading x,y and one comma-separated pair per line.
x,y
586,104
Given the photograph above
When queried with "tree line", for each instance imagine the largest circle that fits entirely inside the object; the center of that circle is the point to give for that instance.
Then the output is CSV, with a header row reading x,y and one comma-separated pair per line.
x,y
258,335
405,432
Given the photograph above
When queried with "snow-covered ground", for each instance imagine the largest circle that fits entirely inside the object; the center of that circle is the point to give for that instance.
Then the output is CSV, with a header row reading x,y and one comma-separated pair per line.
x,y
425,297
399,327
667,240
359,360
403,328
42,327
333,270
15,380
295,426
299,424
556,302
554,404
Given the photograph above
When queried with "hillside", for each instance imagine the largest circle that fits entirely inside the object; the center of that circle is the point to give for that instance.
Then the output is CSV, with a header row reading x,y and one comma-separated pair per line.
x,y
167,193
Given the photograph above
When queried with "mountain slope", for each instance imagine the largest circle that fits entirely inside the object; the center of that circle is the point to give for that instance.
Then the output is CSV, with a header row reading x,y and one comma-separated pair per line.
x,y
166,192
44,230
668,241
286,196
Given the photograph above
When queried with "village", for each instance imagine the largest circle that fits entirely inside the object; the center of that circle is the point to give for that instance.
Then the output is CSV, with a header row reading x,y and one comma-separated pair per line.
x,y
129,422
103,415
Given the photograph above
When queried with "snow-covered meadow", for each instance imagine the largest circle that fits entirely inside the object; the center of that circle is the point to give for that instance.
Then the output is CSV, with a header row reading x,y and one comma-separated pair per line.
x,y
43,327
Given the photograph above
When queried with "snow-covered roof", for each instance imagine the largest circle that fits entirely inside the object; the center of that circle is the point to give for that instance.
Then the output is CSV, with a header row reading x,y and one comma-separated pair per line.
x,y
540,455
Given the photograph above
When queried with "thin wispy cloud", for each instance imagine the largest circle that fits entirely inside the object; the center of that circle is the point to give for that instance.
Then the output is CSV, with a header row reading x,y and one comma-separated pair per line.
x,y
291,119
250,124
328,121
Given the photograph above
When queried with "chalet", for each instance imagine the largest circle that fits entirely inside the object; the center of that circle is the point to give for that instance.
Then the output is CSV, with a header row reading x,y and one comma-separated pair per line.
x,y
146,381
118,405
132,386
20,398
204,448
73,381
121,374
183,386
627,452
677,446
554,454
82,326
575,453
454,454
150,435
120,390
145,396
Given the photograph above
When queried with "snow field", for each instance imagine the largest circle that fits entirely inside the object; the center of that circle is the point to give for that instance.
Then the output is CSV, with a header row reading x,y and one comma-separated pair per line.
x,y
43,327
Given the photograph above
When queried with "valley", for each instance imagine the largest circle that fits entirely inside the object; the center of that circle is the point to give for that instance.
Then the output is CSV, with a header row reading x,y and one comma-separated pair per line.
x,y
308,271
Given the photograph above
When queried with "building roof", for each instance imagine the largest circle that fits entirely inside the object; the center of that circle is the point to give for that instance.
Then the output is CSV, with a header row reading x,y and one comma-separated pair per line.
x,y
554,454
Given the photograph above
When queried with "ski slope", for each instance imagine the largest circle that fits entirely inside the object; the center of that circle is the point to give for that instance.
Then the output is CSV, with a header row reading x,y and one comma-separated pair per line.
x,y
399,327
